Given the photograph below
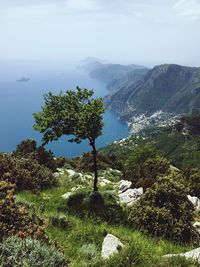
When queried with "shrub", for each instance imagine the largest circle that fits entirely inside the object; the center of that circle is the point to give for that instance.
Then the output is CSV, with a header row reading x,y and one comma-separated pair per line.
x,y
26,173
13,219
165,211
99,206
192,179
28,148
28,252
143,171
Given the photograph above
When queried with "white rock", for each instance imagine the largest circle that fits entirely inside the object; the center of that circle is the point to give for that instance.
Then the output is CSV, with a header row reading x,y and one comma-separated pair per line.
x,y
195,201
173,168
130,196
76,188
70,173
197,226
67,195
123,185
103,181
88,177
111,245
192,254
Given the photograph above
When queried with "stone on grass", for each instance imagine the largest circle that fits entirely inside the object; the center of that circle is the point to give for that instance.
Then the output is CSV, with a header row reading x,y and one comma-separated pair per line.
x,y
67,195
197,226
103,181
130,196
76,188
111,245
192,254
70,173
124,185
195,201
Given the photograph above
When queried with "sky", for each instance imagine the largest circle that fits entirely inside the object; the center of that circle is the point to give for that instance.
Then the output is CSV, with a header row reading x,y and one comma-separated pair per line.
x,y
146,32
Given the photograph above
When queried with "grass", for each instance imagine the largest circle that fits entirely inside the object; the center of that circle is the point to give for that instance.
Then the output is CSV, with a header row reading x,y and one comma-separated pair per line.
x,y
82,240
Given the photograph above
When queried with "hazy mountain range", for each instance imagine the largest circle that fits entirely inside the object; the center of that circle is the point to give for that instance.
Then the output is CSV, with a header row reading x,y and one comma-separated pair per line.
x,y
137,90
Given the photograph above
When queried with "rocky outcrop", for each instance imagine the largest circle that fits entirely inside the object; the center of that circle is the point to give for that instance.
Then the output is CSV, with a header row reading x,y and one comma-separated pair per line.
x,y
124,185
130,196
193,254
111,245
195,201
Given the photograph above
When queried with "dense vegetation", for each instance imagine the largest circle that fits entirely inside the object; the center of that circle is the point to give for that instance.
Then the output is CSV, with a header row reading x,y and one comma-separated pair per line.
x,y
50,216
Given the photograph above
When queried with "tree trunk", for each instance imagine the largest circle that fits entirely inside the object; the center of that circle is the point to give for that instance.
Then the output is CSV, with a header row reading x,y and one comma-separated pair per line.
x,y
94,152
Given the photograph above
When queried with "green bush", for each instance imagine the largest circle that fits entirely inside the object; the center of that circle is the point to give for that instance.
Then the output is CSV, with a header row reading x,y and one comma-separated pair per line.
x,y
26,173
99,206
143,172
192,179
14,219
165,211
28,148
16,252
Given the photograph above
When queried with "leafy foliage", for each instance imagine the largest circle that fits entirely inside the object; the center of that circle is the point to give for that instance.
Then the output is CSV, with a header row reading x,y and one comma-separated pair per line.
x,y
144,165
26,173
74,113
28,148
15,220
164,211
192,179
28,252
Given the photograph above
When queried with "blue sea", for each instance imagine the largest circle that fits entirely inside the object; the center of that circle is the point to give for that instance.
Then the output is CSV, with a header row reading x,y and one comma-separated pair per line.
x,y
19,100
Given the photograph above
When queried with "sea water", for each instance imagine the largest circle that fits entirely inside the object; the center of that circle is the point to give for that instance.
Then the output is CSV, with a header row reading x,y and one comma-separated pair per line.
x,y
19,100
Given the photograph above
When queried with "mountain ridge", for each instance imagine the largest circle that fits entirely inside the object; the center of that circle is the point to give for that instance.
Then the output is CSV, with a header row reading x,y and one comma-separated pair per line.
x,y
167,87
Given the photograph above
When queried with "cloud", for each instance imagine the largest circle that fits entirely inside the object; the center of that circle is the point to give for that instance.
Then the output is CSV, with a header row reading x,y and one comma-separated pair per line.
x,y
189,9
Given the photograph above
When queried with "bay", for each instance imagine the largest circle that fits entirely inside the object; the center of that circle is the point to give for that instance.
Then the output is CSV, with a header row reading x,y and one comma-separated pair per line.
x,y
19,100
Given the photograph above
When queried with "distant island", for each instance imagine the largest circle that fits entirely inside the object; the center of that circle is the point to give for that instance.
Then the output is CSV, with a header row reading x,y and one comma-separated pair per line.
x,y
23,79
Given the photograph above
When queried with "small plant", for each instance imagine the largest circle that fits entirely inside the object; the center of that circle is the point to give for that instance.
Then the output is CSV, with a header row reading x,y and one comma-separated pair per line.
x,y
19,252
60,221
89,252
13,219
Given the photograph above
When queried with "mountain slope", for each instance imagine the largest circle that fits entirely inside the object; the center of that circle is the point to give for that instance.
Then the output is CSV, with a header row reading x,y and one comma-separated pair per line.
x,y
169,87
114,76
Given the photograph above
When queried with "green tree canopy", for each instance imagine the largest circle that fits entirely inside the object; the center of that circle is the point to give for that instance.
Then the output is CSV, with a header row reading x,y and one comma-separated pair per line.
x,y
75,113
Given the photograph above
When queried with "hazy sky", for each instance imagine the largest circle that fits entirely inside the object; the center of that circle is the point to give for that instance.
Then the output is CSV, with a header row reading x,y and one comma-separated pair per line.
x,y
128,31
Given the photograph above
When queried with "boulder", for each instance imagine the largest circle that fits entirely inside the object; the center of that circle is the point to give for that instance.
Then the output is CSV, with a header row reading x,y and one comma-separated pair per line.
x,y
192,254
124,185
103,181
70,173
195,201
76,188
67,195
197,226
111,245
130,196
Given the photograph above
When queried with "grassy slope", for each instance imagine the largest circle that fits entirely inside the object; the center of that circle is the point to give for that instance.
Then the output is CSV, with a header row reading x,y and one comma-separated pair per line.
x,y
82,241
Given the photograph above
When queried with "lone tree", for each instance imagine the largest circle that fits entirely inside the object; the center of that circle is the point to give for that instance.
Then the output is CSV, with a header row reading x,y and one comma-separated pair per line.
x,y
74,113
